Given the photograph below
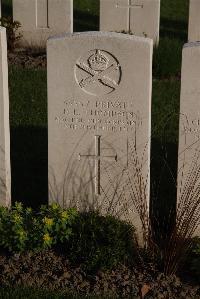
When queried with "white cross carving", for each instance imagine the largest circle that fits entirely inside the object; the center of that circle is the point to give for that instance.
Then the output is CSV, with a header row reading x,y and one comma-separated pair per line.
x,y
129,6
97,157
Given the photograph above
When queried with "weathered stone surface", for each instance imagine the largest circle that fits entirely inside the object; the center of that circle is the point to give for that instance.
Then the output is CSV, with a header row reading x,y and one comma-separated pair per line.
x,y
140,17
5,179
194,21
41,19
189,127
99,118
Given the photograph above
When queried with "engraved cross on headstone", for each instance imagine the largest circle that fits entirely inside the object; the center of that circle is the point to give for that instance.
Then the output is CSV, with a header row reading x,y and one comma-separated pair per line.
x,y
129,7
42,14
97,157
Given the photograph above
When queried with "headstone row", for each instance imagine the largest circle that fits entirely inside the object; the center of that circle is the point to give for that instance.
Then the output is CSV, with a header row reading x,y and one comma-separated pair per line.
x,y
41,19
139,17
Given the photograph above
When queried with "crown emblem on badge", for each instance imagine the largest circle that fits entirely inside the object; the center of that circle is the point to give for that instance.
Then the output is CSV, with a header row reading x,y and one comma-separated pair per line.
x,y
98,61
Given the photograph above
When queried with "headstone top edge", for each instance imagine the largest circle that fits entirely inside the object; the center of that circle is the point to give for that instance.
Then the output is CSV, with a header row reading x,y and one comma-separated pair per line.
x,y
2,29
192,44
100,34
156,1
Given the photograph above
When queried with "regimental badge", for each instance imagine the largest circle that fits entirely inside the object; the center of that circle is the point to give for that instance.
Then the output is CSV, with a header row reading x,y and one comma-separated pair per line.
x,y
98,73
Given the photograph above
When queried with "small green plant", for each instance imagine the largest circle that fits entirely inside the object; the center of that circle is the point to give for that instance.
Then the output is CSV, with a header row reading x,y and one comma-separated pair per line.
x,y
12,31
23,229
100,242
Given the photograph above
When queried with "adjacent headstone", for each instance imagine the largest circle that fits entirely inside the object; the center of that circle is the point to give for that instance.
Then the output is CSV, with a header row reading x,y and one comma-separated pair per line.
x,y
140,17
41,19
99,118
194,21
189,128
0,8
5,180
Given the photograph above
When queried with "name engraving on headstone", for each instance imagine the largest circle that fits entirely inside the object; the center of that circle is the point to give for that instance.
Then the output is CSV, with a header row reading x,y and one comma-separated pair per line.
x,y
99,115
191,126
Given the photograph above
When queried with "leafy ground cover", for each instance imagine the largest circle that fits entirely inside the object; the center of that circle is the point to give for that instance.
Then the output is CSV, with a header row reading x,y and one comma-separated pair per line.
x,y
63,251
52,273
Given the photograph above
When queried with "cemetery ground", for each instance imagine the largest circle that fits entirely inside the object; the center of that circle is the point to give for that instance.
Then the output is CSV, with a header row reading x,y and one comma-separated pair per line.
x,y
28,116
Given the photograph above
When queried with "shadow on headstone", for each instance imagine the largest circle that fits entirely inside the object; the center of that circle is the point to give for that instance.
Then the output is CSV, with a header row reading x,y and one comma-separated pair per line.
x,y
29,166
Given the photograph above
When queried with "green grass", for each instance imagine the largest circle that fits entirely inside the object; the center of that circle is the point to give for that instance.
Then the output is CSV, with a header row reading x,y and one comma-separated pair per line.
x,y
28,118
165,117
86,15
28,94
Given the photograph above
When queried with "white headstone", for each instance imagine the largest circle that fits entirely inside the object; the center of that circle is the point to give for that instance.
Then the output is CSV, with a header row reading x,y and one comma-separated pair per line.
x,y
99,118
41,19
140,17
189,128
5,179
194,21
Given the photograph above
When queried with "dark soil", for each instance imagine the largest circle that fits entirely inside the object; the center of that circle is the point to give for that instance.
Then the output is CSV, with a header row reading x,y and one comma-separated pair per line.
x,y
27,58
47,270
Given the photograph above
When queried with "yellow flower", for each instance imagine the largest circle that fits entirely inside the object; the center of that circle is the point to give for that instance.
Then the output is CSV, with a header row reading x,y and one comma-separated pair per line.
x,y
17,218
29,210
47,239
55,206
48,221
19,206
64,215
22,234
